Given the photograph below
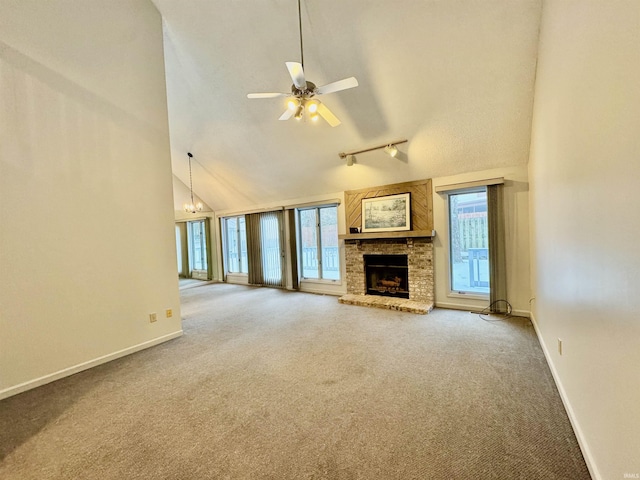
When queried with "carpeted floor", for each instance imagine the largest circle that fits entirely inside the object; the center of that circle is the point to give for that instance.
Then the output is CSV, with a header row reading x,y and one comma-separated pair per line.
x,y
269,384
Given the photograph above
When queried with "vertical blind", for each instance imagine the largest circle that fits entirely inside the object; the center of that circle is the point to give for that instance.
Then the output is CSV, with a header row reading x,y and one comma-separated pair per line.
x,y
265,248
497,257
293,249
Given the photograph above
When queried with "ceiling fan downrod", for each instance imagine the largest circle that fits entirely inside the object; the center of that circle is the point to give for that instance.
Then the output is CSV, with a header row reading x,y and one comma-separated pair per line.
x,y
300,27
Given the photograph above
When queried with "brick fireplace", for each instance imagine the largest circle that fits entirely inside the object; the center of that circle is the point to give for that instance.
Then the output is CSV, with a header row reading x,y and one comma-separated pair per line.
x,y
413,292
419,255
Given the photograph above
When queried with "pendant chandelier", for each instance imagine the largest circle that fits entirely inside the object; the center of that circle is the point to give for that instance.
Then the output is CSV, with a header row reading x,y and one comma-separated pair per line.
x,y
192,207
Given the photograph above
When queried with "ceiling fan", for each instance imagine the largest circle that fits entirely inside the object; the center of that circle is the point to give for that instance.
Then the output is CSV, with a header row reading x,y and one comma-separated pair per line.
x,y
303,92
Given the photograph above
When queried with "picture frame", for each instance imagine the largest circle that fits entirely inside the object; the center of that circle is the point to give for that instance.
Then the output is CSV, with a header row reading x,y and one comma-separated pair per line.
x,y
390,213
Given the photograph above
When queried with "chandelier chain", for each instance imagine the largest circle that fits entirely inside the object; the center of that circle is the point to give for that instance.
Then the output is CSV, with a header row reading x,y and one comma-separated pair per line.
x,y
190,180
192,207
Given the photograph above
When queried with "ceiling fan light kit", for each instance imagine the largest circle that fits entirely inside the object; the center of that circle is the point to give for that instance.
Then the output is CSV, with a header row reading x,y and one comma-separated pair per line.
x,y
304,91
312,106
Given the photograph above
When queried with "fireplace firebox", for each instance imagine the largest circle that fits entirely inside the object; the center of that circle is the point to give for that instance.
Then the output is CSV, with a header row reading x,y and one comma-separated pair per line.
x,y
387,275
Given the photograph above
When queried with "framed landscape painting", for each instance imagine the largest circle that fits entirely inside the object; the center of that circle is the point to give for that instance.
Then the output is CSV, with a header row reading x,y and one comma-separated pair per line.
x,y
386,214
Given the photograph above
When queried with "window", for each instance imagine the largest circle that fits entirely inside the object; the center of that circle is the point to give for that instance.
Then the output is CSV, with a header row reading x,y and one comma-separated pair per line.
x,y
469,242
318,239
179,248
197,238
236,244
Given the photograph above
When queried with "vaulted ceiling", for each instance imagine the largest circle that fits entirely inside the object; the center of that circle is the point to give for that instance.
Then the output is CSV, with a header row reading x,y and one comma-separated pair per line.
x,y
454,77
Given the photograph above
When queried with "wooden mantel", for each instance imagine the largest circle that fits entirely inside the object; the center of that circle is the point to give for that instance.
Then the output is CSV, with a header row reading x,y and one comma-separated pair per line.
x,y
383,235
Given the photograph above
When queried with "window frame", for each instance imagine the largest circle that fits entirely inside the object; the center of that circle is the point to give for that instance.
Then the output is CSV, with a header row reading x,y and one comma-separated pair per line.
x,y
202,236
450,291
225,245
318,236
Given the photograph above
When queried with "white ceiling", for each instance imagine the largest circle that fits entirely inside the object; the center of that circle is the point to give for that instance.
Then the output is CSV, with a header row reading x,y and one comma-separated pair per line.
x,y
454,77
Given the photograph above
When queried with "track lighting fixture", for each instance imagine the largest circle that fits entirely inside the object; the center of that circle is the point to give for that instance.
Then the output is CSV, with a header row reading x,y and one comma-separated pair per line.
x,y
389,148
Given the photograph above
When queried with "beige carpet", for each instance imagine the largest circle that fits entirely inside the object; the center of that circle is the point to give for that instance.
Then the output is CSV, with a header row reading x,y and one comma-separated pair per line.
x,y
268,384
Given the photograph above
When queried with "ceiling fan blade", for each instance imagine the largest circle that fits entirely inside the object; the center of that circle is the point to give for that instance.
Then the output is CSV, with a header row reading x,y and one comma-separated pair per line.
x,y
297,75
327,115
288,113
337,86
266,95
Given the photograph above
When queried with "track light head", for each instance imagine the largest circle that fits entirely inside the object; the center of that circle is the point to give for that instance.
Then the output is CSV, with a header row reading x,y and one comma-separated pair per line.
x,y
391,150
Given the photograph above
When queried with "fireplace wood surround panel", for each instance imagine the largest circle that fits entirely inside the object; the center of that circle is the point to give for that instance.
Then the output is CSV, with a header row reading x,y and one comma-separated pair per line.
x,y
421,203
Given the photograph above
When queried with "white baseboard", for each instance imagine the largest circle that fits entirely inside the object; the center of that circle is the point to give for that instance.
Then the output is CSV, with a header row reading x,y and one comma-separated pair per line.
x,y
320,289
237,279
474,309
23,387
456,306
586,452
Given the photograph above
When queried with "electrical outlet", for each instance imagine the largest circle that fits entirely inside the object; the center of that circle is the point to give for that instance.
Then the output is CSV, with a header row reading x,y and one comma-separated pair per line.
x,y
560,346
152,317
169,313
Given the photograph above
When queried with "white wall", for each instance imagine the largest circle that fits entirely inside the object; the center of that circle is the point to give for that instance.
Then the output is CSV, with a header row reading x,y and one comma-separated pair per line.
x,y
584,171
516,201
87,245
